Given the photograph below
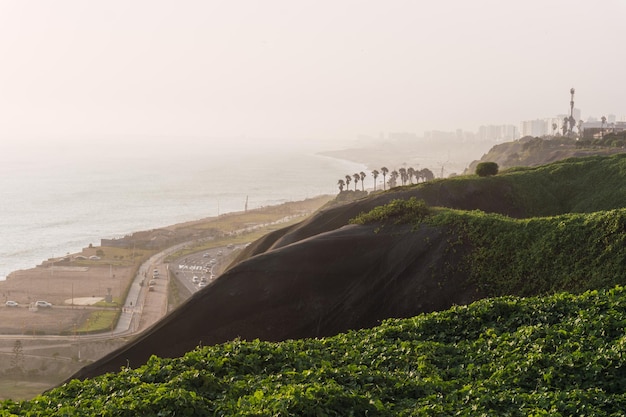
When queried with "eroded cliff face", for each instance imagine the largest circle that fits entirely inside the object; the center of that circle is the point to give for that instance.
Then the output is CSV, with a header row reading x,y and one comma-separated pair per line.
x,y
531,152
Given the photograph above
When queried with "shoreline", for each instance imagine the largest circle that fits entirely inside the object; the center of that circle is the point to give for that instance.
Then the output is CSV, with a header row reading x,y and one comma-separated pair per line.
x,y
191,224
116,277
79,203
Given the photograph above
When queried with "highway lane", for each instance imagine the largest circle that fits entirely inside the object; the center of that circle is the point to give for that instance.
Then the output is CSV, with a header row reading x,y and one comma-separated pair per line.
x,y
197,270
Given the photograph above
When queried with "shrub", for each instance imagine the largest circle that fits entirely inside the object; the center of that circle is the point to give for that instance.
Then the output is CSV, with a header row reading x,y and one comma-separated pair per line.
x,y
485,169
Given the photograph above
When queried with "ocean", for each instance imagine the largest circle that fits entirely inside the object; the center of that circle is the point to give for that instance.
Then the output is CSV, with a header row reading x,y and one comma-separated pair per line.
x,y
58,195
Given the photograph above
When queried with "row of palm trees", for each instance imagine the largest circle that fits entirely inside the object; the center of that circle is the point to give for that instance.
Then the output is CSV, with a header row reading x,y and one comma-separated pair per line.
x,y
405,175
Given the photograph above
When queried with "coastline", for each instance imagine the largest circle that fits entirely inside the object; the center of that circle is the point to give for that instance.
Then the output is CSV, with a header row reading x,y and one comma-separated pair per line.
x,y
77,288
144,241
68,202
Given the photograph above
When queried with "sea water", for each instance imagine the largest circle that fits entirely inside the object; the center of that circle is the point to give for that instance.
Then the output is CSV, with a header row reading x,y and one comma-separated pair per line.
x,y
58,196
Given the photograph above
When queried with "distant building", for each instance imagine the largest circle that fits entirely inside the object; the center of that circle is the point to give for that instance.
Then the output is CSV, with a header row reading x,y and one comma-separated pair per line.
x,y
497,133
439,136
535,128
596,129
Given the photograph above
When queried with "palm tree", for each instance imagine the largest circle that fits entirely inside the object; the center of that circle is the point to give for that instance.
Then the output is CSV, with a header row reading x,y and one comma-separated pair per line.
x,y
403,175
393,178
427,174
357,177
348,181
341,184
580,129
362,175
375,175
410,172
384,170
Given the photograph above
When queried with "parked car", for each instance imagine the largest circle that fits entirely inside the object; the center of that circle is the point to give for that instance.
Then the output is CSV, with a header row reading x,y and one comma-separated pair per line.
x,y
43,304
11,304
195,279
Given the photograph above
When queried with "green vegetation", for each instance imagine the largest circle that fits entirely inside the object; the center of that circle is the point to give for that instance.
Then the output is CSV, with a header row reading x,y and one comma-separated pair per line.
x,y
580,185
558,355
571,252
610,140
486,169
99,321
397,211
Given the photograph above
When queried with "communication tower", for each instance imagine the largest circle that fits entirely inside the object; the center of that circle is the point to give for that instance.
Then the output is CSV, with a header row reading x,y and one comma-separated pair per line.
x,y
571,120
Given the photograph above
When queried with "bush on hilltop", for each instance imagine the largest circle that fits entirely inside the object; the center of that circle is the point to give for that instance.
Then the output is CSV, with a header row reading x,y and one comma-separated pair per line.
x,y
485,169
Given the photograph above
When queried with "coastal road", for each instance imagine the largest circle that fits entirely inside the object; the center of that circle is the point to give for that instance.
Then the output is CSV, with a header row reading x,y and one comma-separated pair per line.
x,y
197,270
144,307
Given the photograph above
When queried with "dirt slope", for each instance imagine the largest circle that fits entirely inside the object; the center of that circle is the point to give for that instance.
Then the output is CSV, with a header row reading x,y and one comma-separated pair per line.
x,y
348,278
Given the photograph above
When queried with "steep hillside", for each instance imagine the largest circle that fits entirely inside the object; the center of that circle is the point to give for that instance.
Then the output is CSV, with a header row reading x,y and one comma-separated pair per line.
x,y
328,274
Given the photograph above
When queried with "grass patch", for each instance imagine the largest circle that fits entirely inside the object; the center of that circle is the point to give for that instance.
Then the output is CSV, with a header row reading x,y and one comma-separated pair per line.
x,y
115,303
99,321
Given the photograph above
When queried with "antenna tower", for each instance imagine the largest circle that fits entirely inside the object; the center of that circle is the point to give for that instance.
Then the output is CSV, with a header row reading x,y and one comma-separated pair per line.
x,y
571,120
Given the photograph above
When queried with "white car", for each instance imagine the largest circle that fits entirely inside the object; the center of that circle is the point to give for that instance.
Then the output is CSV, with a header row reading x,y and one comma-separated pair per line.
x,y
195,279
11,304
43,304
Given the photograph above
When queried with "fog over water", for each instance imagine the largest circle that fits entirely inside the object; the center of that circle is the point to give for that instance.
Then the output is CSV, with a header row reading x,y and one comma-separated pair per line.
x,y
58,196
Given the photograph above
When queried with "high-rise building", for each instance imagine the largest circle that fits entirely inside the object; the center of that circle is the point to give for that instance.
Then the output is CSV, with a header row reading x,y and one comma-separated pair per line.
x,y
535,128
497,133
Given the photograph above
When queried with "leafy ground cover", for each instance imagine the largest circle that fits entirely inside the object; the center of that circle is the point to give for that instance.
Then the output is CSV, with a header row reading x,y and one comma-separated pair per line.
x,y
556,355
570,252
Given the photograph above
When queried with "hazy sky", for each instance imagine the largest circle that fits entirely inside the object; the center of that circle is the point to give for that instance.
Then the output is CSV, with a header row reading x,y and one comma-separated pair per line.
x,y
303,69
